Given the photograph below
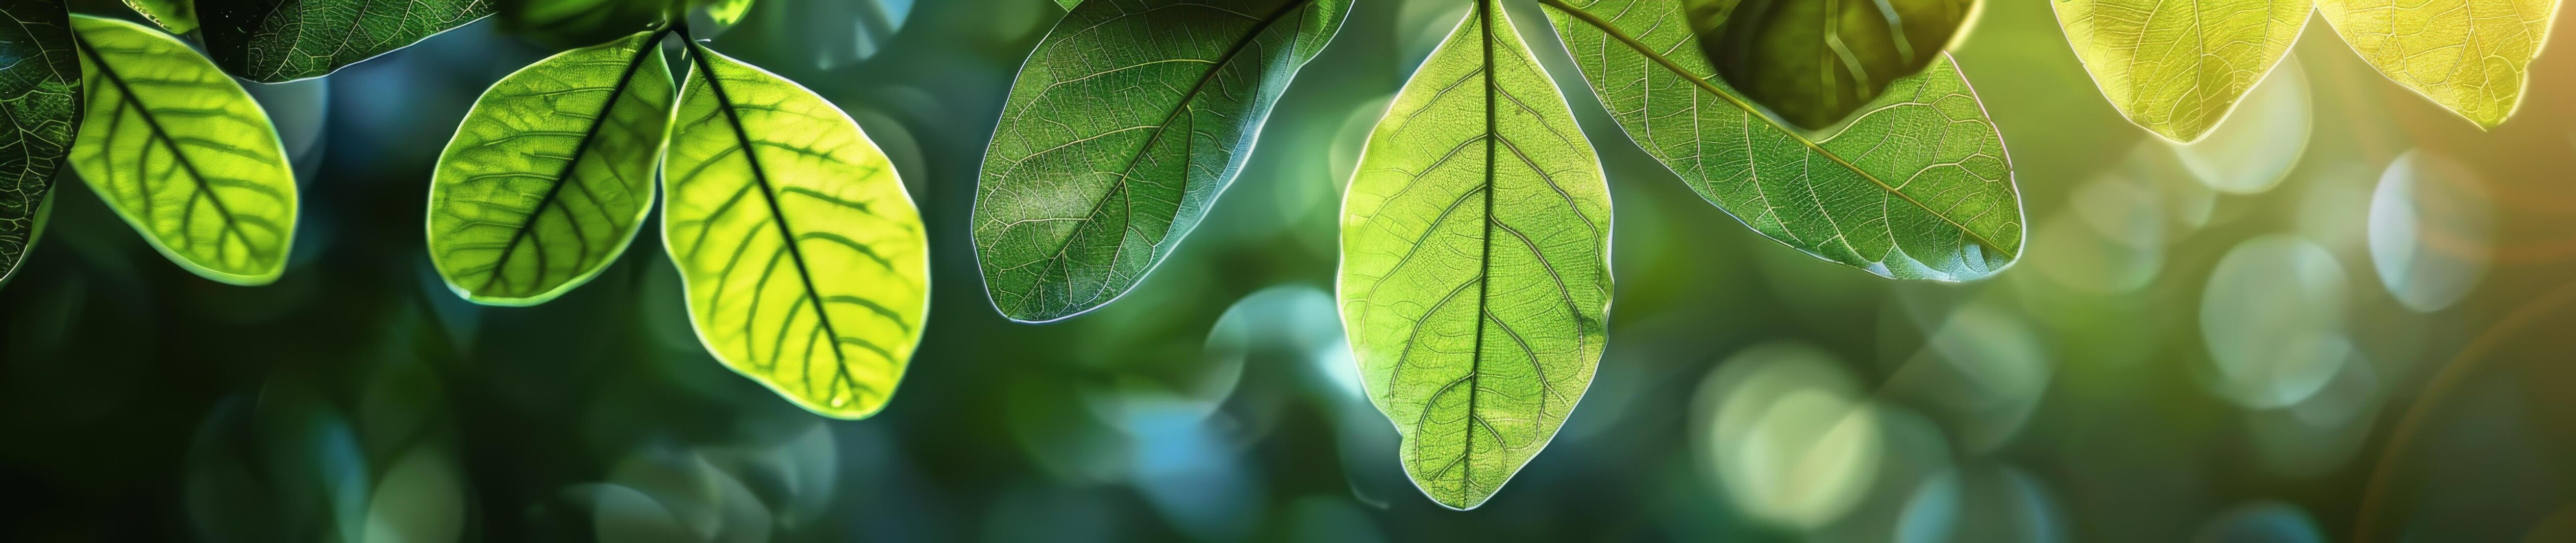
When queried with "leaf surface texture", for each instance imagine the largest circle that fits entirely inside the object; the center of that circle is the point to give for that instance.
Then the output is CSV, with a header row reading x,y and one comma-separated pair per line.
x,y
2471,56
551,173
1917,186
1120,131
2176,67
273,41
1475,277
183,153
40,94
803,257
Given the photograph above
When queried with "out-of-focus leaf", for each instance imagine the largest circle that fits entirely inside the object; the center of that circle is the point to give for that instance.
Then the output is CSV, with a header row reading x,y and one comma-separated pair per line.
x,y
177,16
2471,56
728,12
1815,61
1916,188
1119,133
568,23
2176,68
805,261
551,173
273,41
1475,275
180,151
40,93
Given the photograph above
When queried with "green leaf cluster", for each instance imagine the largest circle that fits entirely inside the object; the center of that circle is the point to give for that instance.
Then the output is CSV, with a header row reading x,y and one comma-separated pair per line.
x,y
804,260
2178,68
1475,279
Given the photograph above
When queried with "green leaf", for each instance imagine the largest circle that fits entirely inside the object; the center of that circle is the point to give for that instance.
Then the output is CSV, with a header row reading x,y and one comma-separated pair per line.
x,y
804,259
551,173
2177,68
275,41
1068,4
571,23
727,12
1815,61
2471,56
40,93
180,151
177,16
1917,187
1476,262
1119,133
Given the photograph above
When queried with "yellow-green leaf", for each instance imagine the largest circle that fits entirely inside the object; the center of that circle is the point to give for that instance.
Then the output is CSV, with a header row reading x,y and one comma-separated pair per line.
x,y
177,16
1915,187
179,150
1475,278
40,93
551,172
804,259
2176,67
2471,56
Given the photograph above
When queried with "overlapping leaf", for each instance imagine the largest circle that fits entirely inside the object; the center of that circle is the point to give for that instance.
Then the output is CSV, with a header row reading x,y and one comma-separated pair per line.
x,y
40,95
179,150
1815,61
551,173
176,16
1475,276
1120,131
2177,67
805,262
273,41
1916,187
2471,56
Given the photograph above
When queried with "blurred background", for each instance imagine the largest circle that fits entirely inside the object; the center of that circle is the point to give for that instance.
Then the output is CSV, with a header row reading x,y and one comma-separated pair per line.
x,y
2344,311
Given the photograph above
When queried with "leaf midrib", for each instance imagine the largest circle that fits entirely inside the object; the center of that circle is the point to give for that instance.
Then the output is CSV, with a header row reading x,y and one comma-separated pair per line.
x,y
1029,298
125,94
1613,31
787,236
581,148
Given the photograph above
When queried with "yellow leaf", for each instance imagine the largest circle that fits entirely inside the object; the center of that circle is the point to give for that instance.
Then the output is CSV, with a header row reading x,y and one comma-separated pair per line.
x,y
2177,67
2471,56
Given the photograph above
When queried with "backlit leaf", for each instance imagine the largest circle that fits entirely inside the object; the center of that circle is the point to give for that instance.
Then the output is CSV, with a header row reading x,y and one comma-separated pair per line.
x,y
551,173
1120,131
272,41
177,16
180,151
2174,67
40,94
1475,276
1916,187
1815,61
727,12
804,259
2471,56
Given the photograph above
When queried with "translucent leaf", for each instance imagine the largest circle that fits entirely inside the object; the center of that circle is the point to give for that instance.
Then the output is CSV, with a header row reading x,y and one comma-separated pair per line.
x,y
551,173
180,151
2471,56
1816,61
805,261
274,41
1475,278
2177,68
